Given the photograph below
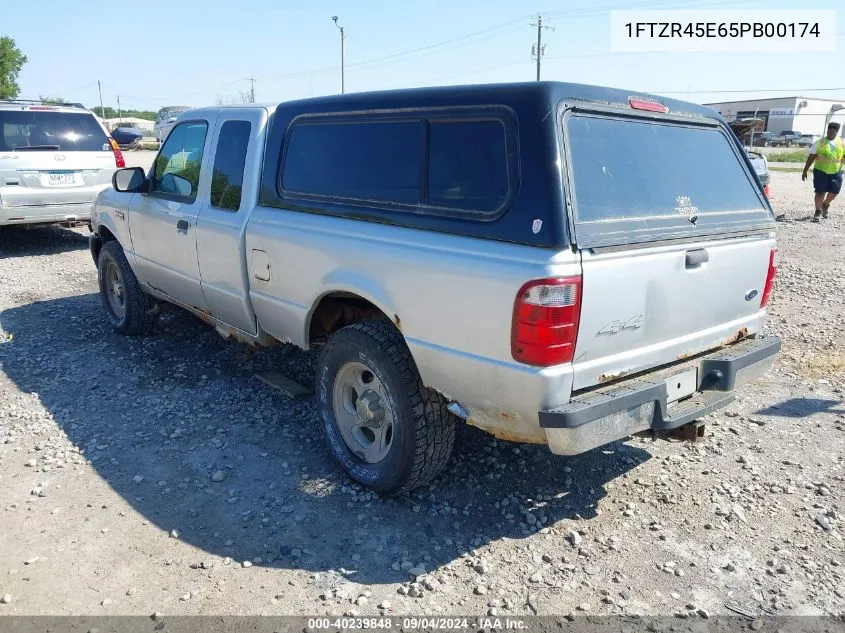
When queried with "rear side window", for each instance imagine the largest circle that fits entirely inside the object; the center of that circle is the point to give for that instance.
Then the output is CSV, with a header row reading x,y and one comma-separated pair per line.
x,y
626,169
362,160
467,165
34,130
229,160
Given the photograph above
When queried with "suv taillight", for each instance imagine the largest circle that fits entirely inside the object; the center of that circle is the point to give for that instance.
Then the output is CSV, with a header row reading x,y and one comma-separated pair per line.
x,y
770,278
118,155
545,321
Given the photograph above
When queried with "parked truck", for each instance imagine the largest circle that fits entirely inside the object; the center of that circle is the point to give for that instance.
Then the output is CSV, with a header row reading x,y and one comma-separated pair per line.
x,y
554,263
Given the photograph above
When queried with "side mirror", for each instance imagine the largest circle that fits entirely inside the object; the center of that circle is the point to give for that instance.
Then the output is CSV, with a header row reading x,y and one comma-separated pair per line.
x,y
129,180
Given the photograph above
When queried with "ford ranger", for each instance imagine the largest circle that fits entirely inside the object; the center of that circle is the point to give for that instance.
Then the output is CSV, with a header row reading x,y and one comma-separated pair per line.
x,y
554,263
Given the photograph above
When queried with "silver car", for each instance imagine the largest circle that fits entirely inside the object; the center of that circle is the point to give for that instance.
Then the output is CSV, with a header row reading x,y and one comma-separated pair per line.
x,y
54,160
165,119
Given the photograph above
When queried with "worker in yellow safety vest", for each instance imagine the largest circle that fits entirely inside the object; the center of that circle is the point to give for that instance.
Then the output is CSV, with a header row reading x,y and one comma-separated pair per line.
x,y
829,155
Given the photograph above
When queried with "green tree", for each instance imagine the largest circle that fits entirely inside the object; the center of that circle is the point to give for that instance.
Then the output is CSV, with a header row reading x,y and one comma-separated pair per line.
x,y
11,62
52,99
111,113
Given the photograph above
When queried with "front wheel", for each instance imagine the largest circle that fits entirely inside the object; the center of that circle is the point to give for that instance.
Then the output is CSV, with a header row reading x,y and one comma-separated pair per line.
x,y
129,309
386,430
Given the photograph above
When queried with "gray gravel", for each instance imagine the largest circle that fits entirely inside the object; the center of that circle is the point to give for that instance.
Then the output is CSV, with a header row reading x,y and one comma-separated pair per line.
x,y
158,475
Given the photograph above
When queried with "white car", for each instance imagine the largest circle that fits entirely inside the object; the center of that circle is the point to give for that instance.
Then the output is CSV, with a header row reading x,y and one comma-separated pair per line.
x,y
54,160
165,118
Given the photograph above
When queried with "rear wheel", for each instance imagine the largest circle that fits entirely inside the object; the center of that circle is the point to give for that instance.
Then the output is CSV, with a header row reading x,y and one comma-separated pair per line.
x,y
386,430
129,309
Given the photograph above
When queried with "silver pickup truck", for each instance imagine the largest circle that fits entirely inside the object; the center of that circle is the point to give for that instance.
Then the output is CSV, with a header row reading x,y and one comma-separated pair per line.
x,y
554,263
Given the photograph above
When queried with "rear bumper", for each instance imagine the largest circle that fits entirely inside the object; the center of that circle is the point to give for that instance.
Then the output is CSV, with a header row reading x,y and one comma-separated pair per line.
x,y
46,214
614,412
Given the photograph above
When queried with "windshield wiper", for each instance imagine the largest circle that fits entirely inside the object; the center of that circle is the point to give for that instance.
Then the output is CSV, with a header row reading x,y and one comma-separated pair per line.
x,y
26,148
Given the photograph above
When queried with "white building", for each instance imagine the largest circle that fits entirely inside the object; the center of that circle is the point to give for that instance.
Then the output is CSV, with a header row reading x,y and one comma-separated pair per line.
x,y
141,124
807,115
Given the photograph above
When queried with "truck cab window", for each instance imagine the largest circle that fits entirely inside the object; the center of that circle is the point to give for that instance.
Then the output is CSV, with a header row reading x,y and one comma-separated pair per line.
x,y
177,167
229,160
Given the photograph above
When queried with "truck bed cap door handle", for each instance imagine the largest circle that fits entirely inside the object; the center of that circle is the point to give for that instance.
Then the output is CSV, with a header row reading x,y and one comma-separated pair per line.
x,y
696,258
182,225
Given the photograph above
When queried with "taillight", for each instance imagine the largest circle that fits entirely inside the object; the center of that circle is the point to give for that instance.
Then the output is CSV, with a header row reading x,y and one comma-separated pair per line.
x,y
770,278
118,155
545,321
766,191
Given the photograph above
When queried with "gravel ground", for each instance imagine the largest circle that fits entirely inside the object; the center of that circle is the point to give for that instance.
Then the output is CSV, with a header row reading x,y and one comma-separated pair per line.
x,y
159,475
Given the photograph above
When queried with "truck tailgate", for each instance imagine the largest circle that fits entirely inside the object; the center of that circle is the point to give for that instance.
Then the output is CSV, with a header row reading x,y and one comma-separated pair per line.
x,y
676,240
648,307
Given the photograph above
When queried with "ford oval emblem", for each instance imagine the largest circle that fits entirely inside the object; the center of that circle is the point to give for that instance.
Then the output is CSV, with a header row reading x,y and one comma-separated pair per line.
x,y
751,294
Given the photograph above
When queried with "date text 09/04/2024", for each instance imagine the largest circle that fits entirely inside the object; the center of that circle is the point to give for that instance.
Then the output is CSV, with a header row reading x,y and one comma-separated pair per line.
x,y
417,623
722,29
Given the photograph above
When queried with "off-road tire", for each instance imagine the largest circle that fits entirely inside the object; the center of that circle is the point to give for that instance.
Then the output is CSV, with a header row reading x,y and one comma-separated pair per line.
x,y
141,311
424,429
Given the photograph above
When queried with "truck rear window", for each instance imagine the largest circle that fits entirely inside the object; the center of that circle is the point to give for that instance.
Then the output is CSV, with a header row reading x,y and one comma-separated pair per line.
x,y
624,168
32,130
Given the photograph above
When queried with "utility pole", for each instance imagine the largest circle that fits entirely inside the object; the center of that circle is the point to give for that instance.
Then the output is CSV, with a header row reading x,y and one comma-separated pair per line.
x,y
251,89
540,48
119,118
102,110
342,54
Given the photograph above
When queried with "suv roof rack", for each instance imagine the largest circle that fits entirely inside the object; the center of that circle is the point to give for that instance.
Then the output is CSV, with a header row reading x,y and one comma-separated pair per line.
x,y
42,102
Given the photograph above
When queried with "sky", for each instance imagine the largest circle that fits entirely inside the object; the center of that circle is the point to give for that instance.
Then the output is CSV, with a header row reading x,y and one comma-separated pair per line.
x,y
194,52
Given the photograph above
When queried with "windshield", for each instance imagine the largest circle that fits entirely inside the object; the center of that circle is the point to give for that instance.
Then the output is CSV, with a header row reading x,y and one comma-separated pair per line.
x,y
626,168
22,130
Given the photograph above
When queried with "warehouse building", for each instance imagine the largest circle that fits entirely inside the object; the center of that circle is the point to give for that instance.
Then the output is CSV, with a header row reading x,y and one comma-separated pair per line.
x,y
807,115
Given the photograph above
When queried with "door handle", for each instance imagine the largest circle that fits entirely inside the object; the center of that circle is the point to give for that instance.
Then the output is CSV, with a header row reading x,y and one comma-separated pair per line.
x,y
696,258
182,226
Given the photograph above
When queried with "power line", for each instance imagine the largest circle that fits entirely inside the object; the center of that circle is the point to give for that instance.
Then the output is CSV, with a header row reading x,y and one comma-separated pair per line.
x,y
72,90
669,4
463,40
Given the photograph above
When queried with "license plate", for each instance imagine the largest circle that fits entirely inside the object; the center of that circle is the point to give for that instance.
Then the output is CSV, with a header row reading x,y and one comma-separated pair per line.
x,y
681,385
62,178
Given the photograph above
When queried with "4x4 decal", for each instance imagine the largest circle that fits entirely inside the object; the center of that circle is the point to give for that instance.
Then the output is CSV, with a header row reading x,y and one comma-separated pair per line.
x,y
614,327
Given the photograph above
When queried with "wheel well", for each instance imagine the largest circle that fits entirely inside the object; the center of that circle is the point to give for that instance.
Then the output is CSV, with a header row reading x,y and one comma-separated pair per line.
x,y
105,236
339,309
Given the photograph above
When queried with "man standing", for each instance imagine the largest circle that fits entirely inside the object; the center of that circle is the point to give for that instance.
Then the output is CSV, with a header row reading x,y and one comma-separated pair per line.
x,y
829,154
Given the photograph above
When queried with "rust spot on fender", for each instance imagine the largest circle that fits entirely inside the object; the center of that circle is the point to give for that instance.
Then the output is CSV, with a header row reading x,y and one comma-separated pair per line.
x,y
203,316
228,332
736,337
397,321
508,415
501,433
613,376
